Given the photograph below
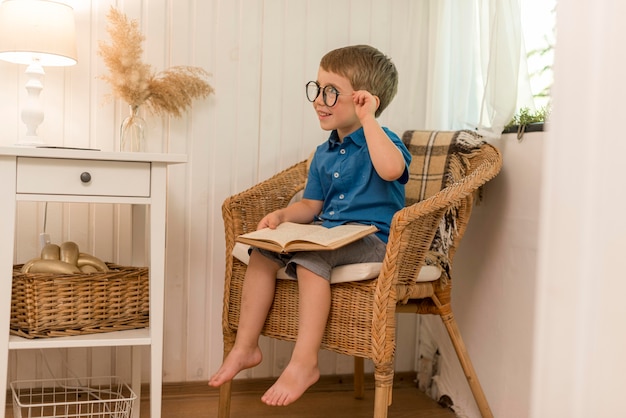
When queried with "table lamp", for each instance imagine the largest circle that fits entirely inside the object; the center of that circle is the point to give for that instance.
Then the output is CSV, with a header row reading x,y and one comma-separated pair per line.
x,y
36,33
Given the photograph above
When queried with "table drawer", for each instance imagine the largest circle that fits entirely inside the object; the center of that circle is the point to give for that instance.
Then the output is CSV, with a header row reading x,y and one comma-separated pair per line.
x,y
83,177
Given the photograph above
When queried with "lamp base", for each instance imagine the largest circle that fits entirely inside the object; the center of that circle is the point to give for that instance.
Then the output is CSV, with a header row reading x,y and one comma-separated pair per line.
x,y
32,112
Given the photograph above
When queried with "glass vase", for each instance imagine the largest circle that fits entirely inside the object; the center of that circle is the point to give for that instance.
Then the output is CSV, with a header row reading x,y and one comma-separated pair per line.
x,y
133,132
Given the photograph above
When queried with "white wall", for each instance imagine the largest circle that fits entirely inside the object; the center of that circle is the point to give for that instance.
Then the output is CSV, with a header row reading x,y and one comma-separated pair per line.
x,y
493,298
260,53
495,279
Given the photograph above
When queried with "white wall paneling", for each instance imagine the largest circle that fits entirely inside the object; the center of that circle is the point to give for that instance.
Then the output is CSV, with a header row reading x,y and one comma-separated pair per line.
x,y
260,54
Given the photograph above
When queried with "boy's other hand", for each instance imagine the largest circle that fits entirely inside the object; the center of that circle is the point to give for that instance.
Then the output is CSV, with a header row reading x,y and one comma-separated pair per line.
x,y
271,220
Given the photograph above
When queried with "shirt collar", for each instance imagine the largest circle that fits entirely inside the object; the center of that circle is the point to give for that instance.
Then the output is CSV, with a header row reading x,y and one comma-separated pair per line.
x,y
357,137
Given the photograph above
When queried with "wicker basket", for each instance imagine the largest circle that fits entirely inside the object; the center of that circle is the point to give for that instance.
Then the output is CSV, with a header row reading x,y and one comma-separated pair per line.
x,y
53,305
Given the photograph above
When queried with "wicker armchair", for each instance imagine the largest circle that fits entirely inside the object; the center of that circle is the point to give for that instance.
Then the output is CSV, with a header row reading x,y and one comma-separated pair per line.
x,y
362,319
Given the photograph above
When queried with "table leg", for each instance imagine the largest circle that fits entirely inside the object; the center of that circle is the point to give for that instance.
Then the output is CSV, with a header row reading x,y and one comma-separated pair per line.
x,y
7,232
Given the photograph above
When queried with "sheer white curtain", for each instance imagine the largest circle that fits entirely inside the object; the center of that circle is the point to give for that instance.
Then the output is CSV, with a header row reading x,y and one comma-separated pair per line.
x,y
473,52
469,60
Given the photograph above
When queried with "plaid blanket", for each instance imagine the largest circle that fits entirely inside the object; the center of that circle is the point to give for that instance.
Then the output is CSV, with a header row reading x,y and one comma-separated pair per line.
x,y
439,159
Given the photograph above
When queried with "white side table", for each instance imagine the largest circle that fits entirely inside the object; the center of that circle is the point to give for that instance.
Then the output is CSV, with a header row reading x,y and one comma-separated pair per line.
x,y
54,174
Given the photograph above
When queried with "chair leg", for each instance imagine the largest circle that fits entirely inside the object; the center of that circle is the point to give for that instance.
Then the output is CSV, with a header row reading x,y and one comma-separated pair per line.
x,y
359,377
383,376
224,402
466,364
382,400
223,406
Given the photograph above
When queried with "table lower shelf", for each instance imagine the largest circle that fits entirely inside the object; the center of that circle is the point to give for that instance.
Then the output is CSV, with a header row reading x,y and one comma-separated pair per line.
x,y
107,339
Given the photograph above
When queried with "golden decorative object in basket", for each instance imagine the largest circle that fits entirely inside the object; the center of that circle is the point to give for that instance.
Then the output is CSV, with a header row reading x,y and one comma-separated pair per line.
x,y
64,259
51,305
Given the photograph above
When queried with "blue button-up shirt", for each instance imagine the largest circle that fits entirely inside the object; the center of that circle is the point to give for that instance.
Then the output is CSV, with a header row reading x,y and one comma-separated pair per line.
x,y
343,177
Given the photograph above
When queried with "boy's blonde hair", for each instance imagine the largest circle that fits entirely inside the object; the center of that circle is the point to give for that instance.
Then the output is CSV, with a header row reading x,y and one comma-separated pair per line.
x,y
367,69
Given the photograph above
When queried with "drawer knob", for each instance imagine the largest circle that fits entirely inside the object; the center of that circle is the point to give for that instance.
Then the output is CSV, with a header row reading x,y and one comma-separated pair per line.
x,y
85,177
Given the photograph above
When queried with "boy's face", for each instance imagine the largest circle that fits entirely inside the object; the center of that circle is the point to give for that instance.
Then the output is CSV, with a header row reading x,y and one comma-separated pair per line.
x,y
342,115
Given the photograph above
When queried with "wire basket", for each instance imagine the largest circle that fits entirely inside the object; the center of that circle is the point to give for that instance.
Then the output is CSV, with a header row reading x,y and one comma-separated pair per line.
x,y
101,397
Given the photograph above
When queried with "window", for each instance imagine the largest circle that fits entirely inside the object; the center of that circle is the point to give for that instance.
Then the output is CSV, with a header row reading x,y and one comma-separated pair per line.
x,y
538,27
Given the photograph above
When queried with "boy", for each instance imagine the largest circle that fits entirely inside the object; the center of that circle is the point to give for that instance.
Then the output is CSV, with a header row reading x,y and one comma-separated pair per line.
x,y
358,175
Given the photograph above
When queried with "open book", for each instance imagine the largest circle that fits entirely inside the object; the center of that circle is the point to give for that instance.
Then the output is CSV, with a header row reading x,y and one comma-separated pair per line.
x,y
290,237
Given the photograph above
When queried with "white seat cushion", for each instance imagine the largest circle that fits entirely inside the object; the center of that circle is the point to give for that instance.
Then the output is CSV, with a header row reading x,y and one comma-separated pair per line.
x,y
345,273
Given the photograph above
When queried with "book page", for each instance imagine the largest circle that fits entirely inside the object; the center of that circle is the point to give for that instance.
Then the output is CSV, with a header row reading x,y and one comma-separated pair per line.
x,y
283,234
288,233
327,236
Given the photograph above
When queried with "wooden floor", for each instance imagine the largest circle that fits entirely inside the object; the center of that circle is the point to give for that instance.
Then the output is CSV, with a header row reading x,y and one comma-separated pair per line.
x,y
330,397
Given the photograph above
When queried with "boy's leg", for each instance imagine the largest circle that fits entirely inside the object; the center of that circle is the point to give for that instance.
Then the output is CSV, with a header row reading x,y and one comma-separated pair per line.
x,y
302,370
256,299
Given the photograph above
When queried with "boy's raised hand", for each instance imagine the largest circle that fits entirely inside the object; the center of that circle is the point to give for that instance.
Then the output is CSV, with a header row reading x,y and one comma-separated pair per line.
x,y
365,103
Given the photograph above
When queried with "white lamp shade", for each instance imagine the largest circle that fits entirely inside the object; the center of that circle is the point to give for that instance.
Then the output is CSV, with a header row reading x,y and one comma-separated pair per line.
x,y
37,29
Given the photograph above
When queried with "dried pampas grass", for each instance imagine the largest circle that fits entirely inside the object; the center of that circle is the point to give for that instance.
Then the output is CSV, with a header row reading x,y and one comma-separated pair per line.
x,y
168,92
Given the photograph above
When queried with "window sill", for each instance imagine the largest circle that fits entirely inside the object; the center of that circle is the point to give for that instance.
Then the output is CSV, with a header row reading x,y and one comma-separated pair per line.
x,y
533,127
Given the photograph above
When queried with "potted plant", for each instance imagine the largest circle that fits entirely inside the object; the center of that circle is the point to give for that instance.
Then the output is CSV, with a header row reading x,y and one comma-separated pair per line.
x,y
526,120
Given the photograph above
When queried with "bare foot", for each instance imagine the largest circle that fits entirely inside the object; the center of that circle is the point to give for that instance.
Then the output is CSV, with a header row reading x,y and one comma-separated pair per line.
x,y
236,361
291,384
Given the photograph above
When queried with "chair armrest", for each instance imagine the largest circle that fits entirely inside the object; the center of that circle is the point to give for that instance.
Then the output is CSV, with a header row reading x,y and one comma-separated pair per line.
x,y
243,212
413,227
411,235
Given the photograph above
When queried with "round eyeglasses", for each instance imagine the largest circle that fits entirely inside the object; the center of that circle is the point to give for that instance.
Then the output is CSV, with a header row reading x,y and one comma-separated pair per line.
x,y
329,93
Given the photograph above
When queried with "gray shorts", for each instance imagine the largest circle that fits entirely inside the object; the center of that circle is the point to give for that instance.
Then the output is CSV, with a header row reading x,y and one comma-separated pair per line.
x,y
366,250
